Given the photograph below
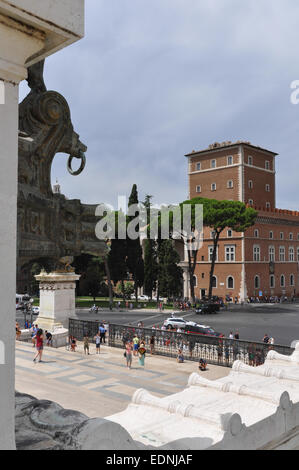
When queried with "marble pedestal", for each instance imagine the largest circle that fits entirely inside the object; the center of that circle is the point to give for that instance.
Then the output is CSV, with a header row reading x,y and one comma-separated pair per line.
x,y
57,299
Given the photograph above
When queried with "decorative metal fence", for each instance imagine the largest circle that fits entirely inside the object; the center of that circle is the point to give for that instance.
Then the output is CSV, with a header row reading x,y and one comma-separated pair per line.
x,y
219,351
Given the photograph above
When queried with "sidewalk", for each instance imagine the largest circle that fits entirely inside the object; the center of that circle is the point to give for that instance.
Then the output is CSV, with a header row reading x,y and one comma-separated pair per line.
x,y
100,385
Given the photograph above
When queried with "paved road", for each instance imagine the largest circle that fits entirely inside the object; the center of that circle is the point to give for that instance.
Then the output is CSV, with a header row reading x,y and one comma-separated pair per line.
x,y
252,321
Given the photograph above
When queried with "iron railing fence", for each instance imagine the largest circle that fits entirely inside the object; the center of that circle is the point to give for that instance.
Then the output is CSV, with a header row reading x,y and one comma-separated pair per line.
x,y
219,351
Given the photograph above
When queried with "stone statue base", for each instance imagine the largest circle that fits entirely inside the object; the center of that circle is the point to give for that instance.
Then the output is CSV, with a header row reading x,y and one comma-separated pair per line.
x,y
57,299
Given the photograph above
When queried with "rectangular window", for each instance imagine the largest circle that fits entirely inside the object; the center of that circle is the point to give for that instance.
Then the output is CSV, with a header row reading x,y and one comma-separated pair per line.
x,y
271,253
213,163
291,254
256,253
267,165
281,235
298,254
268,205
271,235
198,166
198,189
268,188
230,160
230,253
291,236
250,160
229,233
282,253
211,248
213,187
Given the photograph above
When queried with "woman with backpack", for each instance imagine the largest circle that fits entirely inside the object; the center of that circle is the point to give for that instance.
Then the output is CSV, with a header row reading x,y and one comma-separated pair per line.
x,y
39,338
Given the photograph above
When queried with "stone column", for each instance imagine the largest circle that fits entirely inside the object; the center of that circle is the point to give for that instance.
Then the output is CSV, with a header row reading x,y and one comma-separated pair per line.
x,y
26,36
57,299
8,208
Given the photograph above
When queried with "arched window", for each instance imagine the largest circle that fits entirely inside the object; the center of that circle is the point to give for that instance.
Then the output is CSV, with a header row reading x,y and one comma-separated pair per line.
x,y
292,280
256,233
230,282
257,282
230,184
282,280
214,281
272,281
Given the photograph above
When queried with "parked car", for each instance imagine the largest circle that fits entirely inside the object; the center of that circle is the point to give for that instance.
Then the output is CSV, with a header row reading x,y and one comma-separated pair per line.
x,y
144,297
35,310
205,309
175,322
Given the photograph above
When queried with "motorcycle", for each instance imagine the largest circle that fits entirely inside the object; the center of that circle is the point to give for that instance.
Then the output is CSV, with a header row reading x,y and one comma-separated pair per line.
x,y
94,309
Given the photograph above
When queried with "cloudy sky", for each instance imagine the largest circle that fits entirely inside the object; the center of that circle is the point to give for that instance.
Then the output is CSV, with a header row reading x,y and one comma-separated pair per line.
x,y
154,79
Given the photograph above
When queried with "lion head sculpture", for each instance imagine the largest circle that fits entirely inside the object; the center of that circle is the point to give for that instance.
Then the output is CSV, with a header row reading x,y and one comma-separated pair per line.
x,y
46,127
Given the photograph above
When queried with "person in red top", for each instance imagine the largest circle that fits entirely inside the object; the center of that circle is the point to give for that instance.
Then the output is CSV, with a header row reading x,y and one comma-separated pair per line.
x,y
39,345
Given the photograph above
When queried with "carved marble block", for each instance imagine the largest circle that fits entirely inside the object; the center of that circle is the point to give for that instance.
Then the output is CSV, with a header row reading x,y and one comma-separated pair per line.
x,y
57,299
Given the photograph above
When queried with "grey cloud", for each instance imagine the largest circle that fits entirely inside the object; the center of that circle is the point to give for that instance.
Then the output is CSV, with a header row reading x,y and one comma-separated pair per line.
x,y
154,79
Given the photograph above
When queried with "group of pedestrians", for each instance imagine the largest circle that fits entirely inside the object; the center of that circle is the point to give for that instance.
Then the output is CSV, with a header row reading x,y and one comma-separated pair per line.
x,y
99,338
135,348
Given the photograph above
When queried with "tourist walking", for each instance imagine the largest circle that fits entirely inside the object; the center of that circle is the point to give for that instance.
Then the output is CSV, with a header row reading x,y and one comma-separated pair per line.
x,y
33,331
180,357
102,333
152,344
39,345
18,331
128,354
86,344
135,345
141,354
97,339
73,344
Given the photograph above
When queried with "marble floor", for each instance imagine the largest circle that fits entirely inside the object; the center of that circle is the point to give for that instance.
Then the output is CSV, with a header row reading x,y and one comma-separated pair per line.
x,y
99,385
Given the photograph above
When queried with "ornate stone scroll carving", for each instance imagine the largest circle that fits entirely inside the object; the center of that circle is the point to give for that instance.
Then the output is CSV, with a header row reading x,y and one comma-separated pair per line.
x,y
49,225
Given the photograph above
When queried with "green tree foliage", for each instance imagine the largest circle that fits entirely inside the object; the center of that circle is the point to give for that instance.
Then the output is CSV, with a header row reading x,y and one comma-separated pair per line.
x,y
134,260
150,267
92,278
170,275
126,290
217,215
117,260
150,257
